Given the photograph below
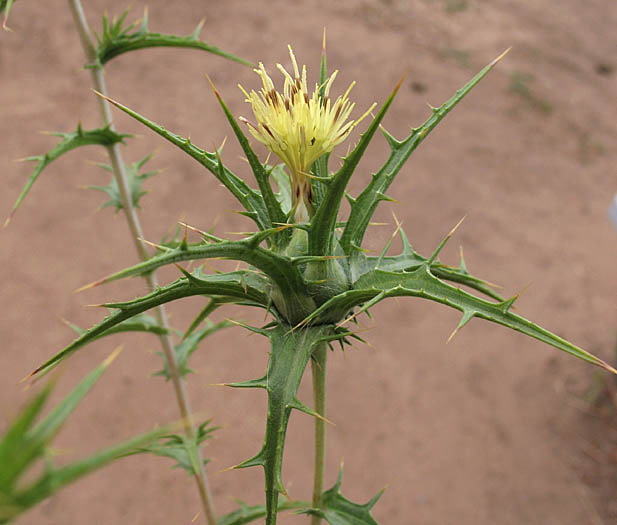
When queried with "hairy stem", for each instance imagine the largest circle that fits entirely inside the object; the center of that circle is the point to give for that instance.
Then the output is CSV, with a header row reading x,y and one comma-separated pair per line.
x,y
98,82
318,368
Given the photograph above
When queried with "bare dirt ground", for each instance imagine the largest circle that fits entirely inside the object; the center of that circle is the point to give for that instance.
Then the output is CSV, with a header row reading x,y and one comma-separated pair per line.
x,y
491,428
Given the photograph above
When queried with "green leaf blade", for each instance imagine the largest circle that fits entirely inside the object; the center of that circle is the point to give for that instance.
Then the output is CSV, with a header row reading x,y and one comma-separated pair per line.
x,y
289,356
422,283
117,39
55,479
100,136
280,269
275,212
189,344
47,428
250,199
366,203
135,179
226,287
16,451
321,233
246,514
180,448
25,443
338,510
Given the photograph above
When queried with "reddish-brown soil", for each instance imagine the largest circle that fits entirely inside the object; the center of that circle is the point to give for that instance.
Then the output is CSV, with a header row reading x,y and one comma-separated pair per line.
x,y
491,428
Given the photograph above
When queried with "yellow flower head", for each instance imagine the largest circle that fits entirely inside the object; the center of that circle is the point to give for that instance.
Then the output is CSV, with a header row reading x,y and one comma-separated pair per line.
x,y
298,127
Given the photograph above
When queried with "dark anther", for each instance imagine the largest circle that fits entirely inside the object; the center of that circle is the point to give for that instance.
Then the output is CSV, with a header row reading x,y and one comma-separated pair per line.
x,y
338,112
268,130
274,97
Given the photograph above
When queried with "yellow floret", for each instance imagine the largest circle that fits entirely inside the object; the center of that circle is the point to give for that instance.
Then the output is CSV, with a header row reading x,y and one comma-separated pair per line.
x,y
298,127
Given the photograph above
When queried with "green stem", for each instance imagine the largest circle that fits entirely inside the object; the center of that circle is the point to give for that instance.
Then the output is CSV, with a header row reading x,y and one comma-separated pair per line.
x,y
115,156
318,368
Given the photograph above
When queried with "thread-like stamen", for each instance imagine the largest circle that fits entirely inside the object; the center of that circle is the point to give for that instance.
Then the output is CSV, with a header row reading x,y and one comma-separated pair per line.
x,y
298,126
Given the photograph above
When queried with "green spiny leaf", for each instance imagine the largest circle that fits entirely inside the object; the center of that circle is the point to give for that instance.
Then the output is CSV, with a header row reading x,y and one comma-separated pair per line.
x,y
319,185
180,448
246,514
250,199
242,250
275,212
261,382
365,204
117,39
138,323
101,136
409,260
134,181
320,168
171,240
184,350
233,287
422,283
203,314
289,355
285,276
338,510
321,234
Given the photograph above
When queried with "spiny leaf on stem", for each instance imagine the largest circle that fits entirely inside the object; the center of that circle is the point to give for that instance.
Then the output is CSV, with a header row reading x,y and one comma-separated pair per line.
x,y
138,323
288,359
283,183
207,310
101,136
409,260
116,39
242,287
246,514
278,267
364,206
134,181
181,448
320,167
421,282
338,510
185,348
275,212
324,222
250,199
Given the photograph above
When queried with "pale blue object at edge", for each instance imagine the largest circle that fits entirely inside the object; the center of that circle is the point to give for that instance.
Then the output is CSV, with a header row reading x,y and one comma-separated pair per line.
x,y
612,211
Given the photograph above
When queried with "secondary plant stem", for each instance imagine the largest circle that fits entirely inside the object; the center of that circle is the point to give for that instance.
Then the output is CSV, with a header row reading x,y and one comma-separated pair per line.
x,y
115,156
318,368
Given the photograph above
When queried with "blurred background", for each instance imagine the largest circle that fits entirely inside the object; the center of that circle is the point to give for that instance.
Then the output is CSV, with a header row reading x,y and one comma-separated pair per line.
x,y
490,428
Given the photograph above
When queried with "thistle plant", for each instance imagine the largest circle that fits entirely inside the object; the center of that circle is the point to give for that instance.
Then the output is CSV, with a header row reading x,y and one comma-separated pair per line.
x,y
304,265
